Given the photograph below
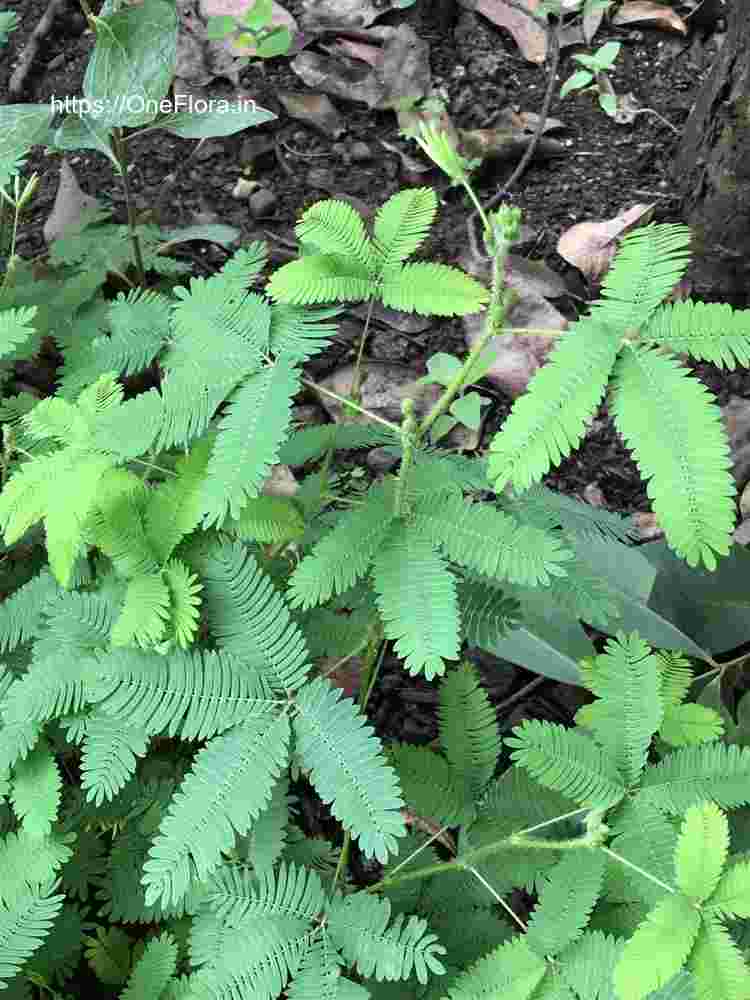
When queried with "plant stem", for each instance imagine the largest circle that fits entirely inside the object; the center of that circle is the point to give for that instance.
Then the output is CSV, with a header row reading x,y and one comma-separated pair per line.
x,y
492,327
498,898
357,380
373,659
408,440
121,155
354,406
517,841
636,868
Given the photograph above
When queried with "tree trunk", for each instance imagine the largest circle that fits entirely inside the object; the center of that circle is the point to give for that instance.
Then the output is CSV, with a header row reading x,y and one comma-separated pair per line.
x,y
712,168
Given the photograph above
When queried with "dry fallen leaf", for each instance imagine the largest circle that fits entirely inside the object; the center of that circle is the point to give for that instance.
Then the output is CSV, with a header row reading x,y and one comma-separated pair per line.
x,y
70,204
528,34
643,10
401,73
321,14
315,110
590,246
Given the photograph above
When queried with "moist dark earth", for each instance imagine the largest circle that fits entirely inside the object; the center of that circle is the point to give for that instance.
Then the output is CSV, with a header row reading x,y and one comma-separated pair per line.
x,y
605,168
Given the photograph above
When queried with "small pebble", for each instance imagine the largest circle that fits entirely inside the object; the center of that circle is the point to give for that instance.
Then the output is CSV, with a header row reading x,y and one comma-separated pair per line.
x,y
360,152
262,203
243,189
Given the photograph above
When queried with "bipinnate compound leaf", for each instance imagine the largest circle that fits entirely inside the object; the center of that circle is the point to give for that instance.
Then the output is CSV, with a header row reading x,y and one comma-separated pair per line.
x,y
248,442
145,612
416,597
549,419
432,289
706,331
511,972
702,850
249,617
344,555
360,925
566,761
236,893
227,787
673,426
402,224
24,924
21,127
648,264
731,897
718,966
628,711
690,723
469,733
709,772
429,784
35,791
658,949
567,895
153,970
333,227
15,328
331,734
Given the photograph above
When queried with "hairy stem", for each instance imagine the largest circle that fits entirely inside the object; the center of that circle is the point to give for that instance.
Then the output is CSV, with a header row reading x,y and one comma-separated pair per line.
x,y
353,406
118,148
356,390
373,659
493,326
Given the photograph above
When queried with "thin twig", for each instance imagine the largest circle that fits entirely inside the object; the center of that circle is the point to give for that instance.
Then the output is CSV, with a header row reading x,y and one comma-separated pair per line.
x,y
526,689
553,52
43,28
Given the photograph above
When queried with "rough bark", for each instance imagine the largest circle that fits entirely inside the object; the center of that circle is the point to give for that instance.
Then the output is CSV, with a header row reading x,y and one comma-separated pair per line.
x,y
712,168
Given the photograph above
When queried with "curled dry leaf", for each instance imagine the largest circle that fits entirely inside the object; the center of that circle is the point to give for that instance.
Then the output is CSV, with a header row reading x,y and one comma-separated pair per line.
x,y
412,169
592,20
509,138
643,10
528,34
70,204
355,50
314,110
319,15
590,246
401,72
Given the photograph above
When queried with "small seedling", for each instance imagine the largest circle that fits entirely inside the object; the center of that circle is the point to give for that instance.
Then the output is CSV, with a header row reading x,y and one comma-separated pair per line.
x,y
253,29
594,76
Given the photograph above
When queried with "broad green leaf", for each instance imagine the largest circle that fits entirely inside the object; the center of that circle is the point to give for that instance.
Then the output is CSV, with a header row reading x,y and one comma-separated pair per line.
x,y
133,62
212,123
442,368
85,132
468,409
276,43
631,578
712,607
548,642
258,15
21,127
211,232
